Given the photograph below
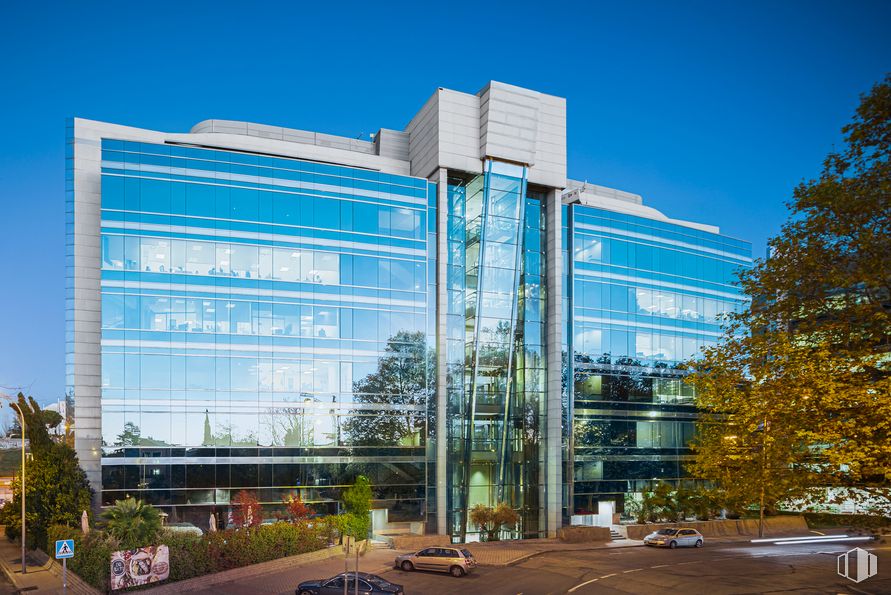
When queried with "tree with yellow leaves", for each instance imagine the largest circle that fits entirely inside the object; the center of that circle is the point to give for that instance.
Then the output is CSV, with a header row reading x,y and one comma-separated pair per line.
x,y
797,398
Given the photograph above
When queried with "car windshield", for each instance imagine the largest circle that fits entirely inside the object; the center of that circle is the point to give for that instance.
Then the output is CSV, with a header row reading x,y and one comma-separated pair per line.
x,y
666,532
467,554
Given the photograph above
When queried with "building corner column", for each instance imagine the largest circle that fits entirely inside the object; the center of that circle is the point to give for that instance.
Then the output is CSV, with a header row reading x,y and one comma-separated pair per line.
x,y
442,264
554,349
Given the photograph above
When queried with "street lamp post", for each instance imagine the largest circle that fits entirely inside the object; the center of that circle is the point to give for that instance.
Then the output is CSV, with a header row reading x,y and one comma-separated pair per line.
x,y
14,406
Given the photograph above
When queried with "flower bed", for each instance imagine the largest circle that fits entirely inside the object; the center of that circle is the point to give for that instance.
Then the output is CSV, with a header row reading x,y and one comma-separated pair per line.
x,y
192,556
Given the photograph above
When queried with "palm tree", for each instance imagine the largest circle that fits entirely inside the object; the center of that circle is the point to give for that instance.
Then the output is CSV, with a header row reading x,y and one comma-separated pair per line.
x,y
132,522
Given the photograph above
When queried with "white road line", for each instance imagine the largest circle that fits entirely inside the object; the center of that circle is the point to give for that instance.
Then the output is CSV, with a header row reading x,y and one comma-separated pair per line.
x,y
635,570
579,586
608,575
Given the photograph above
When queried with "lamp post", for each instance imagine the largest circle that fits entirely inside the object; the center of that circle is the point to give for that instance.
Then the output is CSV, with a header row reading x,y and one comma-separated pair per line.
x,y
14,406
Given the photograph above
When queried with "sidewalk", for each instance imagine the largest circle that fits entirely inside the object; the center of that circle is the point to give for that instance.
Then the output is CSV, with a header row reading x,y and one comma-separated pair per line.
x,y
38,579
276,576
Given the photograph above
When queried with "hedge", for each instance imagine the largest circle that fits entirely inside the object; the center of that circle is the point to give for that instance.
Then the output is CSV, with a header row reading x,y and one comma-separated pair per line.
x,y
192,555
820,520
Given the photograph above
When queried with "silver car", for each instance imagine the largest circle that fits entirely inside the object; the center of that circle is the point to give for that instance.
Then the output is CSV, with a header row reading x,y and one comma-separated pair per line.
x,y
455,561
675,538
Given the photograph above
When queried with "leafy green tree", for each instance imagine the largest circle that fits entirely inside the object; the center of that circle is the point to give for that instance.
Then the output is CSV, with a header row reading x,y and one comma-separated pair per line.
x,y
355,521
57,490
798,396
133,523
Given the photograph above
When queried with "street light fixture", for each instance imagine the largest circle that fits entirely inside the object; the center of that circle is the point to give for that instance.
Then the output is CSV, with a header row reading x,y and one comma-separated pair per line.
x,y
13,404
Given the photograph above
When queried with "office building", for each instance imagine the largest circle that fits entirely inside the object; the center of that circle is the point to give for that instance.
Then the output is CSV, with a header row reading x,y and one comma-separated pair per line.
x,y
263,308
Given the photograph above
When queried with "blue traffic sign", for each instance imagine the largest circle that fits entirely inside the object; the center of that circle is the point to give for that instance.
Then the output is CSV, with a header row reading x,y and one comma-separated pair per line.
x,y
64,549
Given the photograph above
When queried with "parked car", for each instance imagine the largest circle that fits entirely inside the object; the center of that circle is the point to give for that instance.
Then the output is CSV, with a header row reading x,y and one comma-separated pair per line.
x,y
675,537
369,584
188,528
455,561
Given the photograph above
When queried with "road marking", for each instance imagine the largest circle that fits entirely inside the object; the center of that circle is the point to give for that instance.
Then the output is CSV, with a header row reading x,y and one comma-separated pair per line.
x,y
579,586
635,570
608,575
659,566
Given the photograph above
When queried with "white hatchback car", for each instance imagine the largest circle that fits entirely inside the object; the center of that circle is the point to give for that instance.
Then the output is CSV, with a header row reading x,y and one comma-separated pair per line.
x,y
675,538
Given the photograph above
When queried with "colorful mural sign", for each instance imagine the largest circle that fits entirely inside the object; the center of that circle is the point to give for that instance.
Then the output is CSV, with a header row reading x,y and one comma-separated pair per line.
x,y
130,568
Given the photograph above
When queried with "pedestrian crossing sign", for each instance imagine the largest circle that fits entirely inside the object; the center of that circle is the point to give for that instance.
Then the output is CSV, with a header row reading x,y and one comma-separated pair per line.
x,y
64,549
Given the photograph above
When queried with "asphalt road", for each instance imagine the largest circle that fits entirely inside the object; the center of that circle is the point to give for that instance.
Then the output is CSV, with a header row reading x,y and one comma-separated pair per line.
x,y
716,569
719,568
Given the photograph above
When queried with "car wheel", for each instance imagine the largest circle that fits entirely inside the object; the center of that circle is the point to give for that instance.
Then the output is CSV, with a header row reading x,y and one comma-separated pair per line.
x,y
408,566
698,543
305,592
456,571
673,544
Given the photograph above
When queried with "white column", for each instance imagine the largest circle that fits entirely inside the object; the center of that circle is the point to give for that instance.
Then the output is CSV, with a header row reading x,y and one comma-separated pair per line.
x,y
442,216
554,345
84,301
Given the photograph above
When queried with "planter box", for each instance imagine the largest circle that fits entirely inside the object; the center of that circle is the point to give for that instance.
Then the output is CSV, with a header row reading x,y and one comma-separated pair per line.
x,y
583,534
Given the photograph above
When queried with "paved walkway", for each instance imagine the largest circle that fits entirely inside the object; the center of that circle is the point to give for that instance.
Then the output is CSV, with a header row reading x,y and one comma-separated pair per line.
x,y
38,579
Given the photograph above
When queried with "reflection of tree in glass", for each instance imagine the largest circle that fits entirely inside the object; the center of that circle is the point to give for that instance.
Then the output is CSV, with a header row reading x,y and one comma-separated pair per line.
x,y
293,426
398,389
132,436
224,435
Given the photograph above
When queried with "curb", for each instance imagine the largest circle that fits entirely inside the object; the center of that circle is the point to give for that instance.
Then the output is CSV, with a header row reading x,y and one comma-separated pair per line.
x,y
581,549
10,576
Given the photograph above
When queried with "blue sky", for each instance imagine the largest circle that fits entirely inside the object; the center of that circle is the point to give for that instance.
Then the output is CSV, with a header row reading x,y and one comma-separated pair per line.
x,y
713,111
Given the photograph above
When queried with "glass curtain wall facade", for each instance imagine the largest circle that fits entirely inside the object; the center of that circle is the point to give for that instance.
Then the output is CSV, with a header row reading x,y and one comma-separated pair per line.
x,y
646,296
495,332
264,327
276,310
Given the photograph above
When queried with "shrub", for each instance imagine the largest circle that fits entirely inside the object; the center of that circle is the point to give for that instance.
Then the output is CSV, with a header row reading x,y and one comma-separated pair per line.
x,y
820,520
133,522
192,555
189,555
93,553
491,520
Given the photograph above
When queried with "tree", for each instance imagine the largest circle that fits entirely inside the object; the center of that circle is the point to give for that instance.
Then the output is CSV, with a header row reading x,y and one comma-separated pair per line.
x,y
247,511
133,523
798,395
356,499
296,509
490,520
57,488
400,383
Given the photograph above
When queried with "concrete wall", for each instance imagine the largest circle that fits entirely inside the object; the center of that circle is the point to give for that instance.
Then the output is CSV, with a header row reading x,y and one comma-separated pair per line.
x,y
417,542
772,526
580,534
459,131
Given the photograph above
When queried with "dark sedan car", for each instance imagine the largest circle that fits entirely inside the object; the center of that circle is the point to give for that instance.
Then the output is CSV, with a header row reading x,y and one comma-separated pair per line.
x,y
369,584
